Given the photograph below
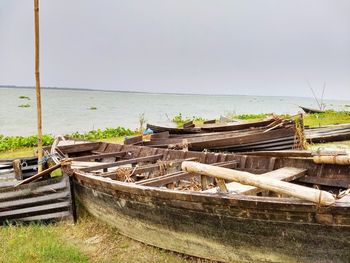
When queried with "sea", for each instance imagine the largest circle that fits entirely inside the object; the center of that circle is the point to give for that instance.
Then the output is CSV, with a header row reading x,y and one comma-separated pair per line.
x,y
70,110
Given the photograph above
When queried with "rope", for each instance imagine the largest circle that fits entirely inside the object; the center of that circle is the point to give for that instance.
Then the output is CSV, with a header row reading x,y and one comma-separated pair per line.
x,y
47,157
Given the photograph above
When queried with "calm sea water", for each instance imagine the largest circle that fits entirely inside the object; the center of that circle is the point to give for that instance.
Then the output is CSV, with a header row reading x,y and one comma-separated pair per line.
x,y
66,111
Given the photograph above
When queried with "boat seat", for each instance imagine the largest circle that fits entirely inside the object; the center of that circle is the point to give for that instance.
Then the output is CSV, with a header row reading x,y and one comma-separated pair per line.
x,y
286,174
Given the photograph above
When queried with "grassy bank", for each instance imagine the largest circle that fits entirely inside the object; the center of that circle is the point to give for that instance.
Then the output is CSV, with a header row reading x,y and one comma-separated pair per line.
x,y
17,142
87,241
312,120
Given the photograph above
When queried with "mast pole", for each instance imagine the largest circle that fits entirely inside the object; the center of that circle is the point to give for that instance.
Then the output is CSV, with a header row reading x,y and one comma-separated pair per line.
x,y
37,86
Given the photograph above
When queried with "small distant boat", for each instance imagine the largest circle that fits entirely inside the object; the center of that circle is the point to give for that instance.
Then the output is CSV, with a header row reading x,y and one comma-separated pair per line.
x,y
311,110
157,129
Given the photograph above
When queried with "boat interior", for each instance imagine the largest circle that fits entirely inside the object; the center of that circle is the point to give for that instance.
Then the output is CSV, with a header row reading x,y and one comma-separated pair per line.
x,y
161,168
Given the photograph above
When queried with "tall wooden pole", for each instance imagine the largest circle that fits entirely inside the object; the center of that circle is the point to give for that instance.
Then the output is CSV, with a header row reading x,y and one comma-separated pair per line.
x,y
37,86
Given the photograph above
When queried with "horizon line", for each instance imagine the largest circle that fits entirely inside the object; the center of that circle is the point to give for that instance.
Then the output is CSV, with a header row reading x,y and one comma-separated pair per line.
x,y
151,92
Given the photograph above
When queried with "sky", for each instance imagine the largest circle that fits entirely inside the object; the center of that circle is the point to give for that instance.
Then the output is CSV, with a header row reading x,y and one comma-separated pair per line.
x,y
250,47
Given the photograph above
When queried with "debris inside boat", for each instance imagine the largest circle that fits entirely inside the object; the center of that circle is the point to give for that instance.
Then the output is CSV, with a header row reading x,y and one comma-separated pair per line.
x,y
220,206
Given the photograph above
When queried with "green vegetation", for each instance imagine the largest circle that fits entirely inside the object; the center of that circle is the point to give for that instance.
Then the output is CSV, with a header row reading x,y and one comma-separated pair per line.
x,y
252,116
142,122
24,105
103,134
93,108
15,142
179,120
24,97
329,117
36,243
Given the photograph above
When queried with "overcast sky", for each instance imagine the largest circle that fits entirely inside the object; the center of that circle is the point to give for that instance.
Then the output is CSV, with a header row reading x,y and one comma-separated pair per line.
x,y
261,47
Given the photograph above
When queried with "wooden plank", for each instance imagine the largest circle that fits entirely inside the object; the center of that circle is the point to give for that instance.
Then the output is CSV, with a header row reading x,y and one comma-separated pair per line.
x,y
169,178
151,167
35,188
46,216
18,169
133,140
36,199
129,161
79,147
40,174
40,208
286,174
99,156
222,186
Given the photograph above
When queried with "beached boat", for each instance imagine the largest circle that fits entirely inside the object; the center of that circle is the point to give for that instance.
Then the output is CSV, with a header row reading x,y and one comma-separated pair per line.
x,y
329,133
274,135
143,193
173,130
310,110
45,200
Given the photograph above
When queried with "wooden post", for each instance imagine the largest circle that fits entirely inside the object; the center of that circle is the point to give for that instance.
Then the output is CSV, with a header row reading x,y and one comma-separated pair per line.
x,y
37,85
302,192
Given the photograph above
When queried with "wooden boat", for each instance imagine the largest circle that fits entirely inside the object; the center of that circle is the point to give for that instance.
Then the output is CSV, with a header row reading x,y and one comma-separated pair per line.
x,y
143,193
235,126
48,199
329,133
157,128
311,110
276,135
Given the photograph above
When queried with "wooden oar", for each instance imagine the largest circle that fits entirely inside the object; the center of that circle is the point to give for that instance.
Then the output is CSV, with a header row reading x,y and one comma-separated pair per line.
x,y
302,192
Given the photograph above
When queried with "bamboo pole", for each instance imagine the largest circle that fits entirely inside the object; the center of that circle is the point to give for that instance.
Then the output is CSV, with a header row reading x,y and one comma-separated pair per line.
x,y
302,192
332,159
37,85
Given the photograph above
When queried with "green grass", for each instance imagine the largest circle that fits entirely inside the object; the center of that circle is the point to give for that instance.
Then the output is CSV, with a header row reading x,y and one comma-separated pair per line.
x,y
18,152
36,243
179,120
16,142
327,118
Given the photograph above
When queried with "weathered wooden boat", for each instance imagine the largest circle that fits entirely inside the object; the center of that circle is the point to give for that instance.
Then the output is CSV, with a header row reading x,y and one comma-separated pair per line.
x,y
311,110
276,135
25,167
329,133
143,193
211,126
173,130
214,127
47,199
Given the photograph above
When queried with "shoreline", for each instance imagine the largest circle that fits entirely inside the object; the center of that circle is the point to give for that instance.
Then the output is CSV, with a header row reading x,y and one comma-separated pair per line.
x,y
164,93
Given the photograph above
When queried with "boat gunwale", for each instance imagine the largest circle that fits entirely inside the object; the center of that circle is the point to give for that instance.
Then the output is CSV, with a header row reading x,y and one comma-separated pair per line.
x,y
213,198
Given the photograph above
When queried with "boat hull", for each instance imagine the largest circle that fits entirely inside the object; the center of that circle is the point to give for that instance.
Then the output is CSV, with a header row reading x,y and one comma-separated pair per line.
x,y
215,228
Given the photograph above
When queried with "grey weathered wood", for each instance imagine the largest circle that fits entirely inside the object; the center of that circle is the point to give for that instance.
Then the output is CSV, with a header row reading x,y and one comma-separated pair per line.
x,y
81,147
169,178
56,215
37,199
35,209
43,188
129,161
40,174
99,156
